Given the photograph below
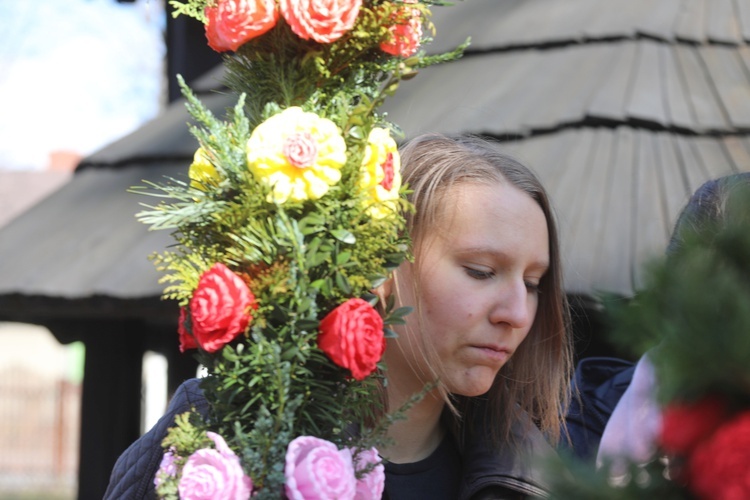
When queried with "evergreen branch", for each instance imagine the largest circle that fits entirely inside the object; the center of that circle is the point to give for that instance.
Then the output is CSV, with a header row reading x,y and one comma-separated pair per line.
x,y
446,57
192,8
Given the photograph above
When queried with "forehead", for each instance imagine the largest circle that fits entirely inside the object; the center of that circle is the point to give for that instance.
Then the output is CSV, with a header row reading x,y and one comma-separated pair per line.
x,y
494,217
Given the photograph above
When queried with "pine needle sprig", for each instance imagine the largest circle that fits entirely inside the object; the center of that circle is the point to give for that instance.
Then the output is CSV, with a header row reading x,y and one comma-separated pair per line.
x,y
191,8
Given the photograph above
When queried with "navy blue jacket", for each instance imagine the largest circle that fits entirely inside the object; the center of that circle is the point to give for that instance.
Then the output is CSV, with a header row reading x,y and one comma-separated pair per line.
x,y
598,385
133,474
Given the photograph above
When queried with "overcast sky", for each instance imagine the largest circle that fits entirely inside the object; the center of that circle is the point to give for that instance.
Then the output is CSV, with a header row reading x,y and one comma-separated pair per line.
x,y
75,75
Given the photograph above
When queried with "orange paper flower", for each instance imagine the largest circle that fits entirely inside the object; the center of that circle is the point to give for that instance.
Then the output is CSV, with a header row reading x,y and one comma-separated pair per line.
x,y
352,336
231,23
324,21
406,32
220,308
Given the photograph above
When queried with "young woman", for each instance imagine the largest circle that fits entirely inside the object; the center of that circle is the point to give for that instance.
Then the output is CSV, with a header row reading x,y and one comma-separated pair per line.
x,y
489,328
489,324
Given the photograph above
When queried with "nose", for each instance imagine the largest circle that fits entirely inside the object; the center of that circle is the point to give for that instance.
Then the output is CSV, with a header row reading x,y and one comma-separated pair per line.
x,y
514,305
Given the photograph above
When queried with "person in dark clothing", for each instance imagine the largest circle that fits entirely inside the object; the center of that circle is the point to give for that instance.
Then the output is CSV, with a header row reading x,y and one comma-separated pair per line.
x,y
616,414
598,385
489,331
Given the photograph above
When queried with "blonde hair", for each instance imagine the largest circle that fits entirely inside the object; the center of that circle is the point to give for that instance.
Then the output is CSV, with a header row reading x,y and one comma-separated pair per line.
x,y
536,379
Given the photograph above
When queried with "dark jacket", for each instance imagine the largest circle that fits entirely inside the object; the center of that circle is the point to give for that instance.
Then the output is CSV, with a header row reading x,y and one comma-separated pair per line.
x,y
133,474
510,473
598,384
488,473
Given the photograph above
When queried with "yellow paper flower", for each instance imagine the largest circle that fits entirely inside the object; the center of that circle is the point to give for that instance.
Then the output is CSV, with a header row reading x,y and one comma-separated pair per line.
x,y
202,173
380,174
298,154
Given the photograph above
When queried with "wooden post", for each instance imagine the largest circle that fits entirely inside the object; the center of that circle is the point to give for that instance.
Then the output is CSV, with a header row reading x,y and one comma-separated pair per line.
x,y
111,401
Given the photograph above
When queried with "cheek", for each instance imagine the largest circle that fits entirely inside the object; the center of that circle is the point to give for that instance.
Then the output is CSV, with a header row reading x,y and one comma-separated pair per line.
x,y
442,291
440,303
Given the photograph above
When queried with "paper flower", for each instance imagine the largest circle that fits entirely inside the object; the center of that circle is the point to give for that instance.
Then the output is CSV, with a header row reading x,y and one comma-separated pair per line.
x,y
371,485
352,336
718,468
298,154
231,23
684,425
324,21
317,470
214,473
293,205
167,468
220,308
201,172
406,31
380,173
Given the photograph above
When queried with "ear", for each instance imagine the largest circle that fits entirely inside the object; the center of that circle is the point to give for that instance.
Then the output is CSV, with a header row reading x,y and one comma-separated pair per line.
x,y
384,290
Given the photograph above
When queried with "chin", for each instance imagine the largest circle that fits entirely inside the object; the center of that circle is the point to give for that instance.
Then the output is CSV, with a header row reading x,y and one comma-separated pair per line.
x,y
471,389
472,382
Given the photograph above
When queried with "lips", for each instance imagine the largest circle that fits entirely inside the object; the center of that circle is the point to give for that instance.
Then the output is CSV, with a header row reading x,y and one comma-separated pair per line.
x,y
493,352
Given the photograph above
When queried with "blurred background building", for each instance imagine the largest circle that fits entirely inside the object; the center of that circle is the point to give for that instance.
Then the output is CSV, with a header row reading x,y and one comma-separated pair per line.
x,y
75,75
623,108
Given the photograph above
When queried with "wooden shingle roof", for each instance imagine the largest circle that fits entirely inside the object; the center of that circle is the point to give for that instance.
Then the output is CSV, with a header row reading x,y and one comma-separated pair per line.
x,y
641,82
81,253
623,108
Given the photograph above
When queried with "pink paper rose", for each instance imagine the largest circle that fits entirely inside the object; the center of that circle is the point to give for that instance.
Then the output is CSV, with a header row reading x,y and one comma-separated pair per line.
x,y
324,21
301,149
220,308
371,484
214,473
317,470
406,32
231,23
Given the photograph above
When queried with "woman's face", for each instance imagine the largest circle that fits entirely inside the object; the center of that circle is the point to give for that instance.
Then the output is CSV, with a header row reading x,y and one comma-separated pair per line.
x,y
478,274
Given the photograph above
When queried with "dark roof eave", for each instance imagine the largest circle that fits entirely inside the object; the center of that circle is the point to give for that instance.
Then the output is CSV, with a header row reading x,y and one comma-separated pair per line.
x,y
44,310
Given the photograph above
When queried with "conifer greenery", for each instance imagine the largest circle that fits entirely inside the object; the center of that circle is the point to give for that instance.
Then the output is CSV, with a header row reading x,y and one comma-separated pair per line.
x,y
302,258
695,309
693,315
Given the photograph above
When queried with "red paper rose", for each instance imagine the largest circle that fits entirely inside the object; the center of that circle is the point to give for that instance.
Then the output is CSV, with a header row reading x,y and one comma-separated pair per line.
x,y
220,308
352,336
187,341
324,21
406,32
230,23
684,425
719,468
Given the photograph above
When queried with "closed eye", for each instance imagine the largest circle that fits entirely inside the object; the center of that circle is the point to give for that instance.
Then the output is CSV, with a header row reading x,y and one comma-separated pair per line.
x,y
532,287
479,274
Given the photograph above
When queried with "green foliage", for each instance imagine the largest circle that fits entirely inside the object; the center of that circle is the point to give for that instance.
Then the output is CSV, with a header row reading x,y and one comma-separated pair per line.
x,y
694,316
696,309
183,439
190,8
572,479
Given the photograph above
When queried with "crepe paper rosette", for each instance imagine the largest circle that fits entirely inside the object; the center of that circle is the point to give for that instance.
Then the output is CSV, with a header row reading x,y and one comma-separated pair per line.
x,y
289,217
